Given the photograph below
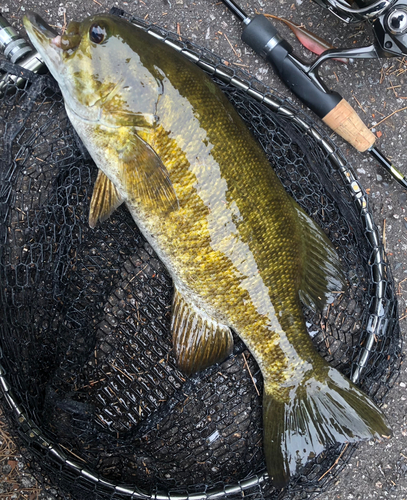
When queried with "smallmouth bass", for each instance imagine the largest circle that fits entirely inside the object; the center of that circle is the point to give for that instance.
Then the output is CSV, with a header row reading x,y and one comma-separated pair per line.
x,y
242,254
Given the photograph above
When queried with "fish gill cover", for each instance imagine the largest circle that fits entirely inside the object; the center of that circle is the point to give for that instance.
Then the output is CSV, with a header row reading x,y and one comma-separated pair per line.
x,y
90,383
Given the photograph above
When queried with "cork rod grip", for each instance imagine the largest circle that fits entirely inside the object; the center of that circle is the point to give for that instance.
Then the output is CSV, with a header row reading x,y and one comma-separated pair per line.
x,y
344,120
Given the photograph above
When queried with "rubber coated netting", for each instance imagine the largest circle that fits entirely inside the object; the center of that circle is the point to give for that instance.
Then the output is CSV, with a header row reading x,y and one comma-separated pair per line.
x,y
90,385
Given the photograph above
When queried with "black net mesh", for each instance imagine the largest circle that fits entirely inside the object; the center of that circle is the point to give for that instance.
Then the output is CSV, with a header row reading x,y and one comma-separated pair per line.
x,y
90,384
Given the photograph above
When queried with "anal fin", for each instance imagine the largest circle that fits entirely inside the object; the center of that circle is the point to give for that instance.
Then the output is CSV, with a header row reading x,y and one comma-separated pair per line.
x,y
105,200
199,341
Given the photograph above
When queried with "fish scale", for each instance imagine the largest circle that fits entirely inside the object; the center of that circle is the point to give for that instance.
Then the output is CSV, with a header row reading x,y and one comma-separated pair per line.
x,y
240,251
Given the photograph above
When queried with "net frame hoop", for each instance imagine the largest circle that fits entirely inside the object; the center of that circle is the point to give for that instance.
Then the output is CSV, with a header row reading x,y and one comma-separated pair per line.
x,y
277,105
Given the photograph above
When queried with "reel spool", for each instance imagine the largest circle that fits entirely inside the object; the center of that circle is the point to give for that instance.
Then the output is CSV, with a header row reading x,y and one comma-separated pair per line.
x,y
387,17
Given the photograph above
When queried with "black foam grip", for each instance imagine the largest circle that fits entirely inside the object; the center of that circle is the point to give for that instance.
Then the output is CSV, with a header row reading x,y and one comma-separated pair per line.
x,y
264,39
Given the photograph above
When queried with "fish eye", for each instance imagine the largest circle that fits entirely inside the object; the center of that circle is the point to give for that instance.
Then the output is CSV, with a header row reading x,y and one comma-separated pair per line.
x,y
97,33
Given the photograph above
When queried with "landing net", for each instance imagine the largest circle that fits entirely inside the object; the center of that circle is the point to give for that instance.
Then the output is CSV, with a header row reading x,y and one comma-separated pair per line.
x,y
89,382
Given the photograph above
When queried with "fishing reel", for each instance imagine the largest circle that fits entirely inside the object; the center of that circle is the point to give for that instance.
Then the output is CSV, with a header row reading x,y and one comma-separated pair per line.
x,y
18,51
387,17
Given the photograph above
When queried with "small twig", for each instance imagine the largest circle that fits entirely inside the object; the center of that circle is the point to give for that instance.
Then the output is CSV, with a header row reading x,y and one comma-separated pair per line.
x,y
72,453
246,66
250,373
391,114
335,463
64,26
121,371
399,285
112,391
388,70
393,88
360,106
231,46
381,76
97,2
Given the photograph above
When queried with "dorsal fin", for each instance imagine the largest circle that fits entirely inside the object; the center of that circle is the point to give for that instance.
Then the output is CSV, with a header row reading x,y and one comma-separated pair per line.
x,y
199,341
105,200
322,271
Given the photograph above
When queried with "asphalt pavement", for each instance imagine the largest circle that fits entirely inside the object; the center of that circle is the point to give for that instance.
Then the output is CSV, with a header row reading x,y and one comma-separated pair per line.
x,y
376,88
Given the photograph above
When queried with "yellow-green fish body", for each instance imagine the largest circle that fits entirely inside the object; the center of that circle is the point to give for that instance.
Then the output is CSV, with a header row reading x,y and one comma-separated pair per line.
x,y
240,251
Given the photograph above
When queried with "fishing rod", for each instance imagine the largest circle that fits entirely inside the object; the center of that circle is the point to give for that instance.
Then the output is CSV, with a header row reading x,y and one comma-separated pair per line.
x,y
259,33
304,81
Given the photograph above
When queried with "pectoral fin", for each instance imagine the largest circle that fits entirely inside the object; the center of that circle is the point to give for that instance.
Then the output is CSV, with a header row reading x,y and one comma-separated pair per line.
x,y
105,200
146,177
199,341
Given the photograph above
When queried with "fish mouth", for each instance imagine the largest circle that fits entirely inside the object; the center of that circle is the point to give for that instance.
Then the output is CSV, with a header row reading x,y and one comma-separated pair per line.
x,y
45,40
38,28
51,46
41,31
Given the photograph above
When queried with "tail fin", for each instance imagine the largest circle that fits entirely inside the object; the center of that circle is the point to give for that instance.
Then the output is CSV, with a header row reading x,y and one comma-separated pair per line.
x,y
323,410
